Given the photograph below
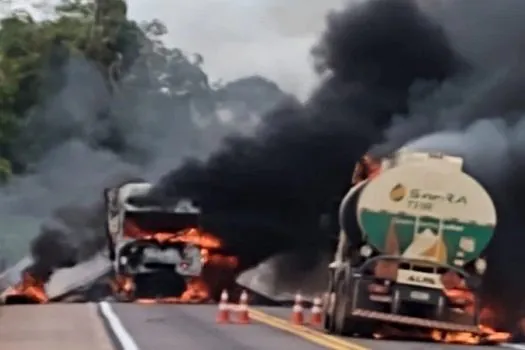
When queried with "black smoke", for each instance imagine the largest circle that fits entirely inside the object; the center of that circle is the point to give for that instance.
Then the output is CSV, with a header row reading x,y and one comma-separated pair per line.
x,y
80,137
73,233
445,75
266,193
479,115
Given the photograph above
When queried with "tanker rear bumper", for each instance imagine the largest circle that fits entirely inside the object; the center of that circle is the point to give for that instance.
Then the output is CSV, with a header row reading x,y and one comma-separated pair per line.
x,y
367,301
414,321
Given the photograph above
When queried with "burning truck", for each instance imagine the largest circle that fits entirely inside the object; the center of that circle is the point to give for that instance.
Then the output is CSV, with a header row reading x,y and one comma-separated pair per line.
x,y
161,252
413,230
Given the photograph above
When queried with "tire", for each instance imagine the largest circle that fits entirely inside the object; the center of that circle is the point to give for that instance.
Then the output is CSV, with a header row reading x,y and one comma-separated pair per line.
x,y
328,307
344,324
342,301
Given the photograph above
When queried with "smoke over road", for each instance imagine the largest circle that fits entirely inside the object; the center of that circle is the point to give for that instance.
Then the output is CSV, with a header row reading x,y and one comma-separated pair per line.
x,y
265,194
81,138
439,75
436,75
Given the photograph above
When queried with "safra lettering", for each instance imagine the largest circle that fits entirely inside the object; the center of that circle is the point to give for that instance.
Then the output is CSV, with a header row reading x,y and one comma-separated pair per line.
x,y
420,195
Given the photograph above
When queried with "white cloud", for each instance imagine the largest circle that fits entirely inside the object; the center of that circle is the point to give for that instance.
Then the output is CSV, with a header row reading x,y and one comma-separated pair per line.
x,y
268,37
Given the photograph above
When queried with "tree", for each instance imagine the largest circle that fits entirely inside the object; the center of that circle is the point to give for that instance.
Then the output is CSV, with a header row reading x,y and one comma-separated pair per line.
x,y
33,52
135,66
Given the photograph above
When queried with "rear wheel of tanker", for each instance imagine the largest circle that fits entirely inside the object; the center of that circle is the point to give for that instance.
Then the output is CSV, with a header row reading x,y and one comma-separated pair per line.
x,y
341,304
329,307
350,325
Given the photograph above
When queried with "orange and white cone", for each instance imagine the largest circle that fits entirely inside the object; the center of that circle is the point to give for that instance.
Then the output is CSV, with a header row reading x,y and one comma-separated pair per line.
x,y
244,317
297,310
223,315
315,318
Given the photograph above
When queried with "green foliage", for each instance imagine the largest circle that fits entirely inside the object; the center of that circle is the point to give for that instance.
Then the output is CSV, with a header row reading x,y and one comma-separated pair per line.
x,y
33,52
5,169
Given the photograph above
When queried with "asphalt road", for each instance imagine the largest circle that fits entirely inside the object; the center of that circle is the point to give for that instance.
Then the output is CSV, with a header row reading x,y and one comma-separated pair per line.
x,y
52,327
166,327
283,313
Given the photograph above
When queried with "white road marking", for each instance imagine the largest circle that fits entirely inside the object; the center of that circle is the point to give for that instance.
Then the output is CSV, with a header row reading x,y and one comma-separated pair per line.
x,y
123,336
514,346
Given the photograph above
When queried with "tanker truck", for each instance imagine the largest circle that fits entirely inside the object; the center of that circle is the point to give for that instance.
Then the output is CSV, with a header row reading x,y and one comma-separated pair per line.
x,y
413,230
149,244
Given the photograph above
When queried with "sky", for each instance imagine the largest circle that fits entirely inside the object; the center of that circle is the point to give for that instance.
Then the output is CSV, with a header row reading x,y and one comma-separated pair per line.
x,y
239,37
242,37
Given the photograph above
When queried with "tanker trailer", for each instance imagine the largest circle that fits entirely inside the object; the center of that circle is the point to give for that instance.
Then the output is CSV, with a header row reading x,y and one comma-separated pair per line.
x,y
411,247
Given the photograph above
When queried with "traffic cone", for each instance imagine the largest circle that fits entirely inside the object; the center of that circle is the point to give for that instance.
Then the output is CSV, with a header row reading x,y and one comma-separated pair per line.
x,y
223,315
297,310
244,317
315,319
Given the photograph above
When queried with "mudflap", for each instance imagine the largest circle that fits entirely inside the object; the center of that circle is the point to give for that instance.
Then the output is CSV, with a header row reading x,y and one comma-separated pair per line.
x,y
157,285
351,293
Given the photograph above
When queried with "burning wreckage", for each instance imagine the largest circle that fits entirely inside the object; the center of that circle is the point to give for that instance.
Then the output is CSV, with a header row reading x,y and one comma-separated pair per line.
x,y
410,254
413,230
155,253
161,251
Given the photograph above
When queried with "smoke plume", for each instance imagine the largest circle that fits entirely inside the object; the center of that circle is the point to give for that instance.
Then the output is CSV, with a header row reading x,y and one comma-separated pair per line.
x,y
82,138
479,115
265,193
441,75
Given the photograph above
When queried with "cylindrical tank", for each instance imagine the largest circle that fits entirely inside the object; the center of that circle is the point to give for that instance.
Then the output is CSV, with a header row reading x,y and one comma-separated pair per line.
x,y
348,221
425,209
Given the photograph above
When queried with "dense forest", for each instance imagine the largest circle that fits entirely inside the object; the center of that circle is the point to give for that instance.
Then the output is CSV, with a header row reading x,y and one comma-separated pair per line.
x,y
131,75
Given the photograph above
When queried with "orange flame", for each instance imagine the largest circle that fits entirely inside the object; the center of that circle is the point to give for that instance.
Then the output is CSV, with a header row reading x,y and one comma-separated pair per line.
x,y
198,289
30,288
367,168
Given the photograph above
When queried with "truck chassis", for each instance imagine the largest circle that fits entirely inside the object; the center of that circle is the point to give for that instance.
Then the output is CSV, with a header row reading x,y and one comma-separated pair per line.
x,y
354,307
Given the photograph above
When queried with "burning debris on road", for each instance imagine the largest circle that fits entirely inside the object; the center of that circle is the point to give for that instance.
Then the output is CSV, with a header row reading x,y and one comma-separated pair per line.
x,y
30,290
400,72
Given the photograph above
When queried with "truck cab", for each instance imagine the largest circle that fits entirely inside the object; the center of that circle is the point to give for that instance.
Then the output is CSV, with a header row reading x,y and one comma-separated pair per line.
x,y
152,245
411,243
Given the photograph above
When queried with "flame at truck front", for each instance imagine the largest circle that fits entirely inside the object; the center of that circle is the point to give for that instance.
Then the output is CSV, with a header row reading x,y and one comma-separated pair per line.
x,y
162,253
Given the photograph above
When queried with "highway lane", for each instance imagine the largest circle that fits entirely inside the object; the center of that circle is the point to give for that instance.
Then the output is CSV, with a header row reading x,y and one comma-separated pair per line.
x,y
157,327
284,314
52,327
168,326
163,327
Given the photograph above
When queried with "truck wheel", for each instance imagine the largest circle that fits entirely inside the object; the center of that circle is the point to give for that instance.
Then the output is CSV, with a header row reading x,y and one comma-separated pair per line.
x,y
329,307
342,301
343,323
